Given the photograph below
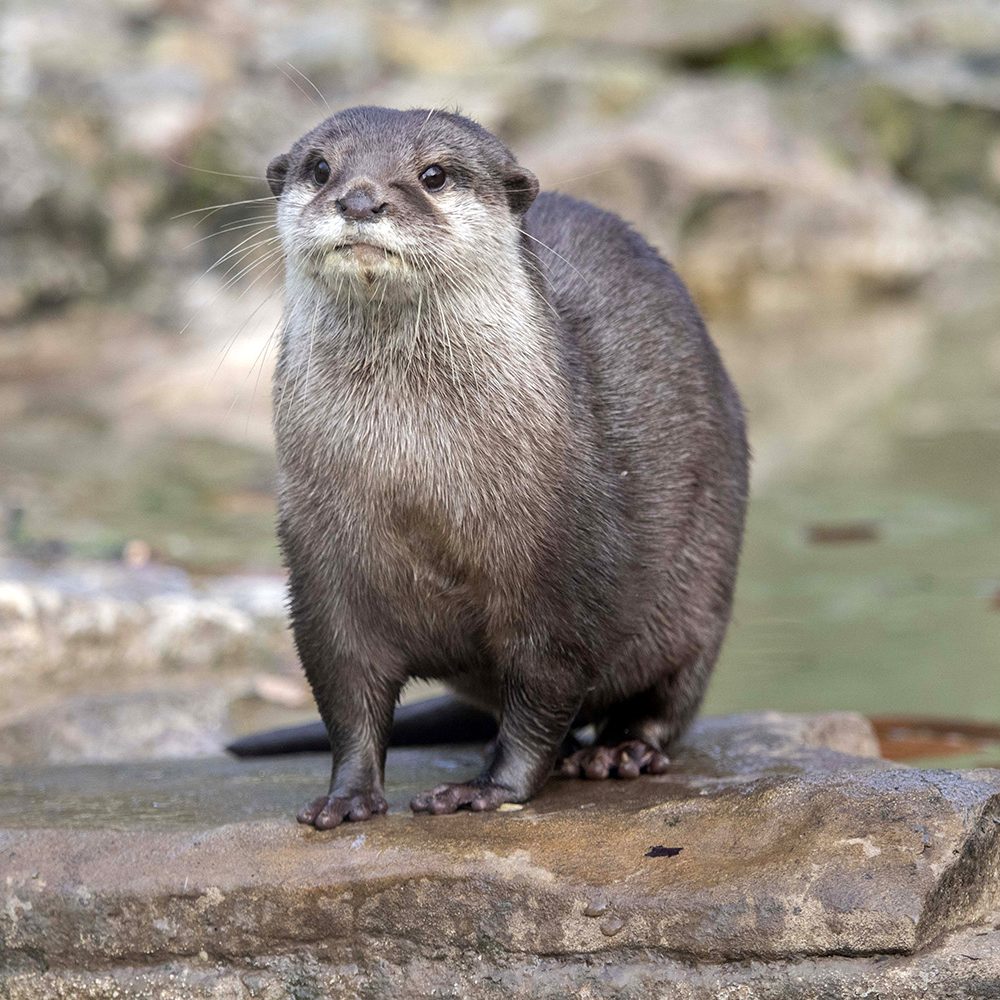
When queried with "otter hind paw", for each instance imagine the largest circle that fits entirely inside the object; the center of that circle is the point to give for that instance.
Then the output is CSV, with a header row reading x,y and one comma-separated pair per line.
x,y
621,760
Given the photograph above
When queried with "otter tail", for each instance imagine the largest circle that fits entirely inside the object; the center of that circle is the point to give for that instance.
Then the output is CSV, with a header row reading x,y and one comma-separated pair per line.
x,y
422,723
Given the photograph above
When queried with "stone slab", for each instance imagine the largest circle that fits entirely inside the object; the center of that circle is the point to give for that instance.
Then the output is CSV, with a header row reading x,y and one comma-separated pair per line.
x,y
789,846
964,965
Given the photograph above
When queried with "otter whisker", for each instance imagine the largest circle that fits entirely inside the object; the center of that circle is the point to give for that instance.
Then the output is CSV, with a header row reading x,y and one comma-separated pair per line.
x,y
266,262
556,253
295,69
246,378
241,251
423,124
312,344
250,223
231,342
295,84
212,209
217,173
258,363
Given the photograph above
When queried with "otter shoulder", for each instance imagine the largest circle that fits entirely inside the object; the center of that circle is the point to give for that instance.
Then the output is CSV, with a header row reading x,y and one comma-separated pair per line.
x,y
564,222
594,260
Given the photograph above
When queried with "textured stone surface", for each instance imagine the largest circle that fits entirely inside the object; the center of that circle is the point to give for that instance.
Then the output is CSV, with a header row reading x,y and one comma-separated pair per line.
x,y
747,205
182,108
101,627
963,966
792,843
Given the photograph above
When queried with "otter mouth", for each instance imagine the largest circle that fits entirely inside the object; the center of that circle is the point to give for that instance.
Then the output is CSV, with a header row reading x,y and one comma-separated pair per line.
x,y
364,253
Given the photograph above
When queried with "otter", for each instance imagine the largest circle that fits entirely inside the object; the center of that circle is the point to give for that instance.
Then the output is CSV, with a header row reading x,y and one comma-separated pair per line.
x,y
509,456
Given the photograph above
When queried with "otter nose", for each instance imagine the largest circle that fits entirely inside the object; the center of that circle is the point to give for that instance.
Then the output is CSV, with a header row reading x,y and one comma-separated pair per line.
x,y
360,203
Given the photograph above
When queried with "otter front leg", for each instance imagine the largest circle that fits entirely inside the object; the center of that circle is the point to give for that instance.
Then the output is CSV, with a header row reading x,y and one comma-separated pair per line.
x,y
356,704
541,695
356,690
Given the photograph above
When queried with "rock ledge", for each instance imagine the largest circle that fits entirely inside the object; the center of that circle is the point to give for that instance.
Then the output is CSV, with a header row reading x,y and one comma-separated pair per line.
x,y
798,851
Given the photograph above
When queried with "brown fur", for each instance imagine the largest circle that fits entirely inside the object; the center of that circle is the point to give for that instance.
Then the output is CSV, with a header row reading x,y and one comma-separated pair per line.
x,y
509,457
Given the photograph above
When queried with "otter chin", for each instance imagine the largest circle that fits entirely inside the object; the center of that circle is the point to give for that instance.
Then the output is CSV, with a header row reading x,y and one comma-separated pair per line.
x,y
525,477
366,262
364,254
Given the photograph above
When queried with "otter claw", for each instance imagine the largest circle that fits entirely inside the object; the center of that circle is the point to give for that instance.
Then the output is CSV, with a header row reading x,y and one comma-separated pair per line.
x,y
452,797
623,760
329,811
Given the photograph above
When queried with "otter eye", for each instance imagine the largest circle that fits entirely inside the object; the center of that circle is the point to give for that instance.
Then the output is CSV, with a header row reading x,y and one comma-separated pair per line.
x,y
321,172
433,177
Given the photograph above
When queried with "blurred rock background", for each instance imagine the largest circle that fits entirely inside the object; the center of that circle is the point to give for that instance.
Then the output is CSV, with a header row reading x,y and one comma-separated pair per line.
x,y
825,175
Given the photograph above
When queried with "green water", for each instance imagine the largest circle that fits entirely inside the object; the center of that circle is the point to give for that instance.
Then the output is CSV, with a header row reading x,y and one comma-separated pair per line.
x,y
906,622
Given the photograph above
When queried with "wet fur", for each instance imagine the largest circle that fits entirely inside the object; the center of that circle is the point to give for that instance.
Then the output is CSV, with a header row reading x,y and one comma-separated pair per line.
x,y
510,458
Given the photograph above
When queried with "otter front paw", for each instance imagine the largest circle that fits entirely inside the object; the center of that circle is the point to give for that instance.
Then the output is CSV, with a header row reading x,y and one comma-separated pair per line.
x,y
329,811
623,760
480,796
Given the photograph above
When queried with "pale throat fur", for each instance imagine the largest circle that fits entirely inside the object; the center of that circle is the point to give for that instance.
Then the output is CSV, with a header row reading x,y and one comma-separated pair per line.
x,y
417,394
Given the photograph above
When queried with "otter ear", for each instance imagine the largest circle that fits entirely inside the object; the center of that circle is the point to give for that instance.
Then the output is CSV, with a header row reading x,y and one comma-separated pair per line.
x,y
276,171
521,186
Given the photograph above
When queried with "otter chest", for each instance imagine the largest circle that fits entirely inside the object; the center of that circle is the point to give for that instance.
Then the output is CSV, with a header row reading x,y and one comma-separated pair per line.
x,y
442,481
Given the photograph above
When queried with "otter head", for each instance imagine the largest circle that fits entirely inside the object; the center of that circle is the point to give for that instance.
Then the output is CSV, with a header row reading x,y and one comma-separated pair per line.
x,y
404,198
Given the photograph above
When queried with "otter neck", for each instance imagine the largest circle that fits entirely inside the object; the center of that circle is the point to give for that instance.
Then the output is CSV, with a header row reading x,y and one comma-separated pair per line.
x,y
464,325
